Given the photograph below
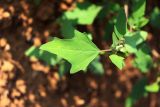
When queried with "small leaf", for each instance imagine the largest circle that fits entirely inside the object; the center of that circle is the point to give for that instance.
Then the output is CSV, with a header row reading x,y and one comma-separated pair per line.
x,y
120,27
137,19
130,46
133,39
137,23
139,37
153,87
114,39
79,51
139,7
117,60
84,13
142,22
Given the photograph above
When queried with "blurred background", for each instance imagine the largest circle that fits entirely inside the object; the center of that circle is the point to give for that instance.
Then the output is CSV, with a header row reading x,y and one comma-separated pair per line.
x,y
30,77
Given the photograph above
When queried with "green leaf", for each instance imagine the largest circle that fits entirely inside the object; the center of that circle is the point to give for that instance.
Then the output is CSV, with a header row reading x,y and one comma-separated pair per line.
x,y
130,45
47,57
139,7
84,13
114,39
137,23
153,87
143,60
139,37
63,68
137,19
67,30
79,50
96,66
142,22
155,16
117,60
138,91
133,39
144,63
120,27
109,28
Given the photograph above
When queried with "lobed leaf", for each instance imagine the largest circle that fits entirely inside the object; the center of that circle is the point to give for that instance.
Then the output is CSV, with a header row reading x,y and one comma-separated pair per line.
x,y
79,50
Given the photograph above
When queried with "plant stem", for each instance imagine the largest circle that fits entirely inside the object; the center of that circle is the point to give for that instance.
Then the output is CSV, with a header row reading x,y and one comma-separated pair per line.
x,y
126,8
106,50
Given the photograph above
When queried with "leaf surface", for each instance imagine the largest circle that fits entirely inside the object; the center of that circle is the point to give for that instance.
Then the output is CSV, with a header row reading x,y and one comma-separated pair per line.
x,y
120,27
117,60
133,39
155,16
79,50
67,30
143,60
153,87
139,8
84,13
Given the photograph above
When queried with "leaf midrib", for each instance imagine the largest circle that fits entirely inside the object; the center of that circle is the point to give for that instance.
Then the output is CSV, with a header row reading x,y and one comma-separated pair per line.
x,y
84,51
